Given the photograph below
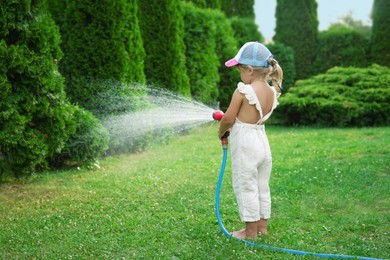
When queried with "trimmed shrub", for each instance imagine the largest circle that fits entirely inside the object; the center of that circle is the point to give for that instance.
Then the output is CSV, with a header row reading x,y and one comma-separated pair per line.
x,y
35,117
341,97
242,8
86,145
379,41
285,57
245,30
101,41
162,29
226,48
341,46
213,4
201,59
297,27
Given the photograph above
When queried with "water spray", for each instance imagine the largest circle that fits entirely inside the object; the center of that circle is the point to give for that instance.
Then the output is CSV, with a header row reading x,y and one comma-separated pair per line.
x,y
217,115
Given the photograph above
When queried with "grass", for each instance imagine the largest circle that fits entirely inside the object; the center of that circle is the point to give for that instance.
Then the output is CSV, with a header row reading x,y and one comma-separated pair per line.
x,y
330,191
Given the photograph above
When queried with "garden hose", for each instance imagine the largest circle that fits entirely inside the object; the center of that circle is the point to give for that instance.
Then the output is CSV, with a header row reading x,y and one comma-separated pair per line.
x,y
224,140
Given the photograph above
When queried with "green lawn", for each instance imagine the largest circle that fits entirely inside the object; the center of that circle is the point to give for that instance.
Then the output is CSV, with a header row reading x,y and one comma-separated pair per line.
x,y
330,191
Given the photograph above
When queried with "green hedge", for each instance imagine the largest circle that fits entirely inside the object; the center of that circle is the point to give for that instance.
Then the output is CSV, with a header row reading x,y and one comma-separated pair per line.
x,y
341,97
35,117
226,48
86,145
162,29
201,58
379,40
341,46
297,27
242,8
245,30
101,41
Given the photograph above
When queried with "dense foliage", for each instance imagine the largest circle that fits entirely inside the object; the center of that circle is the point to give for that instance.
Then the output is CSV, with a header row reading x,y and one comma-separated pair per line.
x,y
86,145
245,30
242,8
35,117
297,27
213,4
101,40
162,29
226,48
344,96
201,58
380,43
341,46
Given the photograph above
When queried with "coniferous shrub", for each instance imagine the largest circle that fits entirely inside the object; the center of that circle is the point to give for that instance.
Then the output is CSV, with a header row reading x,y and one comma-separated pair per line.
x,y
297,27
213,4
241,8
245,30
343,96
101,41
35,117
201,59
226,48
341,46
86,145
379,40
162,29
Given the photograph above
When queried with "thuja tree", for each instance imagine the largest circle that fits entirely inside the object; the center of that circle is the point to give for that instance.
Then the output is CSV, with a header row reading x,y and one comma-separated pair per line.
x,y
226,47
162,29
297,27
101,41
35,117
341,46
242,17
245,30
213,4
242,8
201,58
380,41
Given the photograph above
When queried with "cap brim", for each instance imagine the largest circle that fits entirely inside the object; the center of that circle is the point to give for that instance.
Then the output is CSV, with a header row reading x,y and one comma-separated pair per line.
x,y
231,63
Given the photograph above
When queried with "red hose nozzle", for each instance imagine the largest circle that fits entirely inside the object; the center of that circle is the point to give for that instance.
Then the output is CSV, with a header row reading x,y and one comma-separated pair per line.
x,y
217,115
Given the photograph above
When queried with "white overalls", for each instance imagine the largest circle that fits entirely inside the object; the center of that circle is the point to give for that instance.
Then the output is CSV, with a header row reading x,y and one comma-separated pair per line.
x,y
251,162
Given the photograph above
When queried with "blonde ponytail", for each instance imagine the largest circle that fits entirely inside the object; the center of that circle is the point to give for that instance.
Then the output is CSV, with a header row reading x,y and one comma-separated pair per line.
x,y
276,74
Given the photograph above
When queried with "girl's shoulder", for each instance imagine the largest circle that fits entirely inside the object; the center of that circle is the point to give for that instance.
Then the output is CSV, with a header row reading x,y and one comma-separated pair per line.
x,y
248,92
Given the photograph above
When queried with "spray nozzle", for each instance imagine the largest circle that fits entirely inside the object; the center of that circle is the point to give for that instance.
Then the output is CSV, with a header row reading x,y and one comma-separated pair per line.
x,y
217,115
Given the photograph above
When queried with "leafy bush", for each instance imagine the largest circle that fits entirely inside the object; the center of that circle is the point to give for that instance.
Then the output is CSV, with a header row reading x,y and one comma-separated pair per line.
x,y
379,40
201,59
245,30
86,145
341,46
100,40
162,29
35,117
242,8
226,48
341,97
301,14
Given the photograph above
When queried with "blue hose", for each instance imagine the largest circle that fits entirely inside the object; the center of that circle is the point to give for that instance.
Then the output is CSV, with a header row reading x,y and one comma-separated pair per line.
x,y
286,250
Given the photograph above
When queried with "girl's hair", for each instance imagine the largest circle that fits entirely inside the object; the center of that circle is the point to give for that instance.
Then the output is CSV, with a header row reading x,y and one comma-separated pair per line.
x,y
276,74
273,73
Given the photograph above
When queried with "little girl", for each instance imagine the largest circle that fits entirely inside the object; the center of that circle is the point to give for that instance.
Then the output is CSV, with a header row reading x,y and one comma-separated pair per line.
x,y
251,105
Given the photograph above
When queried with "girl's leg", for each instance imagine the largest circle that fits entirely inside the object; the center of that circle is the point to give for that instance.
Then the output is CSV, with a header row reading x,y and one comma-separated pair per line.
x,y
262,226
250,231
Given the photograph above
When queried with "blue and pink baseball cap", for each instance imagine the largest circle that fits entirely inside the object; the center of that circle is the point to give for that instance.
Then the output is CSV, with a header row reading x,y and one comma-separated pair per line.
x,y
253,54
